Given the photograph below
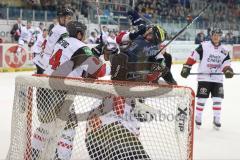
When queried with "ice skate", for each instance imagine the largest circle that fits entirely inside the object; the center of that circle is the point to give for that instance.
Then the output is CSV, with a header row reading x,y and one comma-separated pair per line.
x,y
216,123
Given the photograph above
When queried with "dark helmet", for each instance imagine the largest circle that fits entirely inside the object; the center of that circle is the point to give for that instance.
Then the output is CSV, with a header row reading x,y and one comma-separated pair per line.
x,y
74,27
217,31
64,12
159,34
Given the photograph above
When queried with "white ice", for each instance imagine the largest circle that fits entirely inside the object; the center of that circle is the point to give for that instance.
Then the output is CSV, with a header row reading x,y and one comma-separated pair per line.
x,y
208,143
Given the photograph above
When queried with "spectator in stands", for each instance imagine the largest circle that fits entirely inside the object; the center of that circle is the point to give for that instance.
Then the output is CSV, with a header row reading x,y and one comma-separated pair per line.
x,y
1,40
16,30
92,38
199,38
208,37
105,31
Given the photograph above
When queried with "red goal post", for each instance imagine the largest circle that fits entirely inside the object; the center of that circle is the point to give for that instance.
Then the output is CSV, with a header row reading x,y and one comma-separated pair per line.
x,y
167,135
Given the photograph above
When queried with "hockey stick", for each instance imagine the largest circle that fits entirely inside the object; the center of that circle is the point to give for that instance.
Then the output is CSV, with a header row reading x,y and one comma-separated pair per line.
x,y
186,27
211,73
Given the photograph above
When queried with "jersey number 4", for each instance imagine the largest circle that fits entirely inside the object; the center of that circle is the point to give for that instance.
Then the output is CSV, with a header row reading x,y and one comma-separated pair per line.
x,y
55,60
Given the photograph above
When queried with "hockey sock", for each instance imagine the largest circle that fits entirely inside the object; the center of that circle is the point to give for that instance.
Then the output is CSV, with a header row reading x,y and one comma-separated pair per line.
x,y
40,137
65,144
217,103
200,107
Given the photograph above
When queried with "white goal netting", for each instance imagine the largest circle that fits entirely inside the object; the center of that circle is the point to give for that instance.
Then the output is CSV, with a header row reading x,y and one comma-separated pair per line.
x,y
79,119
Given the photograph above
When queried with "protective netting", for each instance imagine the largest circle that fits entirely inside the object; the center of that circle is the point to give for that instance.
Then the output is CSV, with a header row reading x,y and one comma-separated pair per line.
x,y
56,118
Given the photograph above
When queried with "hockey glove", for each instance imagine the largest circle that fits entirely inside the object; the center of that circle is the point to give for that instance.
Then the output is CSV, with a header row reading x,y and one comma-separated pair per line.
x,y
228,72
141,30
186,70
98,50
157,70
135,18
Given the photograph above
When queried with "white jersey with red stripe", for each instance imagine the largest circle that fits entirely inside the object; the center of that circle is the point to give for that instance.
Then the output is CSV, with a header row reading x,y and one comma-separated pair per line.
x,y
73,58
38,45
26,35
114,109
213,59
57,33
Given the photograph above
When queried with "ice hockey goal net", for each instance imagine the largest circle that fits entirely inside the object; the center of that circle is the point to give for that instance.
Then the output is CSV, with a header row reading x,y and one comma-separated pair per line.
x,y
63,118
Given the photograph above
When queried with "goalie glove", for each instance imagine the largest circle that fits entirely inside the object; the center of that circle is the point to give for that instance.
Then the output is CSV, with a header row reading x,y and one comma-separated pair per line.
x,y
143,112
186,70
228,72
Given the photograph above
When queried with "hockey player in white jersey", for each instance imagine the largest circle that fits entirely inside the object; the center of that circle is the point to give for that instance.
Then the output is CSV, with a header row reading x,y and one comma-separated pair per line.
x,y
214,58
37,48
57,33
25,36
72,58
36,31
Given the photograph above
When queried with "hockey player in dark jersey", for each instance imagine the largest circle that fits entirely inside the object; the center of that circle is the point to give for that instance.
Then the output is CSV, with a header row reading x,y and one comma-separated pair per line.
x,y
140,54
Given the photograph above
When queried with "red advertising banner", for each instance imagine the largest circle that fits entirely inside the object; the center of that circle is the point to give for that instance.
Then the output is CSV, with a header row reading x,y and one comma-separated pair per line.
x,y
236,51
11,59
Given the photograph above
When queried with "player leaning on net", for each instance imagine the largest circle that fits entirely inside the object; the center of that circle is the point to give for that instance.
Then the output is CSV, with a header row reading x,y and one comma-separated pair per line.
x,y
72,58
57,33
124,39
115,134
214,58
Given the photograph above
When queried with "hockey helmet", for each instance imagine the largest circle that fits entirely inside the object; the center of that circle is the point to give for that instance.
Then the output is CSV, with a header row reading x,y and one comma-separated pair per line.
x,y
217,31
64,12
159,34
74,27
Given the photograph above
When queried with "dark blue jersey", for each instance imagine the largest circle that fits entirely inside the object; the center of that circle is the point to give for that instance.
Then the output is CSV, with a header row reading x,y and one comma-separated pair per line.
x,y
142,51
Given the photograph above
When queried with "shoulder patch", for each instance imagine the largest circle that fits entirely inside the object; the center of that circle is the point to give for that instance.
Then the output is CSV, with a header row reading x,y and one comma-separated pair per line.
x,y
225,52
87,51
64,35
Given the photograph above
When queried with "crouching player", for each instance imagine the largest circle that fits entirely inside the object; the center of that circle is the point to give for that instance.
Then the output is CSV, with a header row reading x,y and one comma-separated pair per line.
x,y
214,58
70,58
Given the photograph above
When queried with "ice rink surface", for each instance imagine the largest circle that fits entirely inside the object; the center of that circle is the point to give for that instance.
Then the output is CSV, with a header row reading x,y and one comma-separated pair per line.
x,y
208,143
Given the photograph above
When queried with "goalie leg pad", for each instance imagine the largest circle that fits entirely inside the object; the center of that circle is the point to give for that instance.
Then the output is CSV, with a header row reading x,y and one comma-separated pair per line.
x,y
41,136
65,144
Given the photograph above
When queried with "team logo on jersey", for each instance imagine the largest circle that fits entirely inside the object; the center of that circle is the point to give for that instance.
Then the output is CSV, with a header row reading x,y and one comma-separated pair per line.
x,y
203,91
224,52
87,51
13,59
214,58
